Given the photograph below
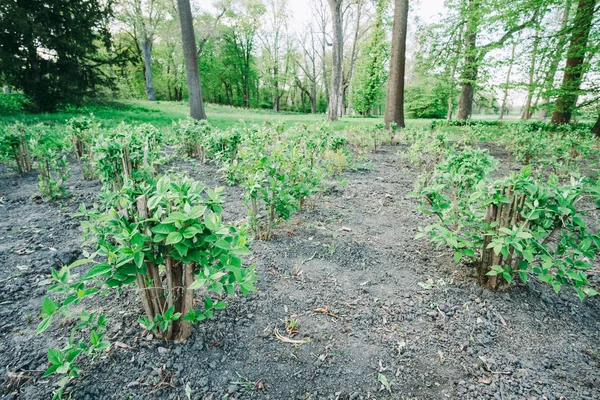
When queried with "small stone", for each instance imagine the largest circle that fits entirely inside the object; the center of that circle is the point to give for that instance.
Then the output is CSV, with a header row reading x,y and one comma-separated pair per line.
x,y
231,389
162,351
444,308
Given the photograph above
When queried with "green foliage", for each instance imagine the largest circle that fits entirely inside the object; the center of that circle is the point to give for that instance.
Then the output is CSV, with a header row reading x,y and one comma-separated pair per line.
x,y
515,226
52,54
14,145
279,172
426,98
13,103
82,132
192,136
169,227
50,155
371,72
127,153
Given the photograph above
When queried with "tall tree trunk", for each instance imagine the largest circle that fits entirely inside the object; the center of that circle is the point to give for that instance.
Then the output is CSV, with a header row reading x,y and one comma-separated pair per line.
x,y
567,99
191,59
530,84
507,83
336,94
549,79
394,108
596,128
469,73
146,47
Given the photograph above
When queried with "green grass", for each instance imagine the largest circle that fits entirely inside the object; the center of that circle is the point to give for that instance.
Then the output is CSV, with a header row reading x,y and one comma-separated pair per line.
x,y
163,113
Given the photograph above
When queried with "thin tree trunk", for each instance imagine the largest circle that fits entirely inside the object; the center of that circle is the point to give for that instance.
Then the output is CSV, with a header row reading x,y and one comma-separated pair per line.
x,y
146,47
510,66
530,85
337,85
394,108
469,74
567,99
191,59
549,79
596,128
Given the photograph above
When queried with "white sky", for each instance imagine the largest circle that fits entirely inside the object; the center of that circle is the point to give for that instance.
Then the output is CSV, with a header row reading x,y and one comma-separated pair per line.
x,y
425,9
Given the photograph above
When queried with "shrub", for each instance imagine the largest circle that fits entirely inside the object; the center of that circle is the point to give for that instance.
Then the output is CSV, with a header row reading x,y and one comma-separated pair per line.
x,y
277,173
14,145
82,132
192,136
516,226
13,103
50,155
167,238
127,153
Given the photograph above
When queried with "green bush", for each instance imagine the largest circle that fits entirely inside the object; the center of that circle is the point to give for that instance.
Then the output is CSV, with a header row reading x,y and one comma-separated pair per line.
x,y
517,226
13,103
166,237
192,135
14,146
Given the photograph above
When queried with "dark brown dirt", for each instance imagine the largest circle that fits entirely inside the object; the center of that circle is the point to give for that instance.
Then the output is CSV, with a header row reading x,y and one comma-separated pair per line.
x,y
400,308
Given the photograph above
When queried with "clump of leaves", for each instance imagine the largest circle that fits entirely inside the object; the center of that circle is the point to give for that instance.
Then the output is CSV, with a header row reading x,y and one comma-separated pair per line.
x,y
127,153
278,176
82,132
50,154
14,139
192,136
165,237
518,226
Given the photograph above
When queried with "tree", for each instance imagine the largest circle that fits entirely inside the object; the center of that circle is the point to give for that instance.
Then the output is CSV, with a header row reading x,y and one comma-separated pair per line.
x,y
277,18
336,95
511,61
486,13
575,67
190,53
308,65
394,108
596,128
144,16
555,55
371,73
51,49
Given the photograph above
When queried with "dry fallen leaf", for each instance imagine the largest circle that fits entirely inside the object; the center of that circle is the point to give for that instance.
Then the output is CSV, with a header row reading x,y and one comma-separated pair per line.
x,y
325,310
286,339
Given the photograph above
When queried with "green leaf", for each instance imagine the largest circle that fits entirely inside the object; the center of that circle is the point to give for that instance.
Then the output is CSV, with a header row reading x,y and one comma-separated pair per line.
x,y
182,249
220,305
208,303
174,237
164,229
43,325
55,357
139,259
222,244
48,307
528,255
190,232
197,284
508,277
77,263
98,270
457,256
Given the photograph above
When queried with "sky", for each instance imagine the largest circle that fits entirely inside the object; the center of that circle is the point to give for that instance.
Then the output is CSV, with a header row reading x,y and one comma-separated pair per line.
x,y
425,9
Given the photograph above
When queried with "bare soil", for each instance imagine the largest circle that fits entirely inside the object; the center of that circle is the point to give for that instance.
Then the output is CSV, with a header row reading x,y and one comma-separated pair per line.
x,y
396,306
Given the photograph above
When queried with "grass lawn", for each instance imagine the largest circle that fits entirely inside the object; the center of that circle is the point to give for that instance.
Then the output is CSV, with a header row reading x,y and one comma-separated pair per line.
x,y
163,113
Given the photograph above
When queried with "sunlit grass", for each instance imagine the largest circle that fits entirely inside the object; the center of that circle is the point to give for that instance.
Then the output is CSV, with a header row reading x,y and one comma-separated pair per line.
x,y
163,113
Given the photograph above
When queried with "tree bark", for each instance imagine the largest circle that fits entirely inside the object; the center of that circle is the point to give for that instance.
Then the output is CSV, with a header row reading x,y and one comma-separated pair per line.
x,y
394,108
574,70
336,94
549,79
530,85
146,47
191,59
596,128
510,65
469,73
